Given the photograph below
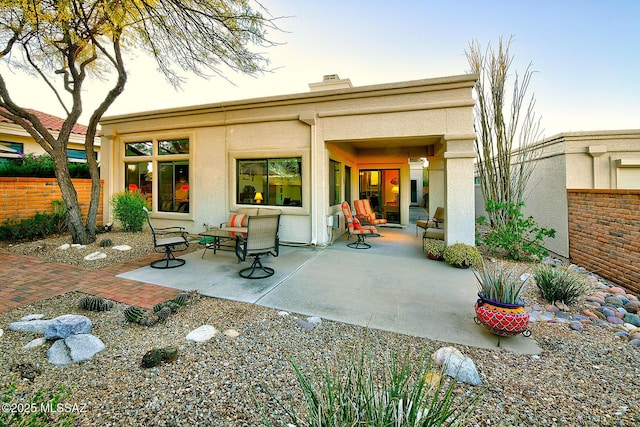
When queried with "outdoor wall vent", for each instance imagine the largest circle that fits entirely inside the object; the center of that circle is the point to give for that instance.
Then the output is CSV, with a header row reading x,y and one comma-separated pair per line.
x,y
328,77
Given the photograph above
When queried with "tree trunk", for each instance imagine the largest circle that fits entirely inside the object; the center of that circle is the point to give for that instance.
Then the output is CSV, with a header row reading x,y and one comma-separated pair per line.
x,y
79,233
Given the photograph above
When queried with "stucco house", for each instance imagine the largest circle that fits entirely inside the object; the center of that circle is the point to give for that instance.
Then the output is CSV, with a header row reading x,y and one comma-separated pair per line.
x,y
589,160
303,153
15,141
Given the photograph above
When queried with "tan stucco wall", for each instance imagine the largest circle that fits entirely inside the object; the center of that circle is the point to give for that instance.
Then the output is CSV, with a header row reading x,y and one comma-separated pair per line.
x,y
399,119
576,160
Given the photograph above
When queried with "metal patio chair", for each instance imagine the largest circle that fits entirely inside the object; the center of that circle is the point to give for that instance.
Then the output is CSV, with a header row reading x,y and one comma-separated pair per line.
x,y
167,240
260,240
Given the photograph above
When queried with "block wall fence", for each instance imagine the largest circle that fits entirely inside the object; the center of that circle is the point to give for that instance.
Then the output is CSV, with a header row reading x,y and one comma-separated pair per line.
x,y
23,197
604,234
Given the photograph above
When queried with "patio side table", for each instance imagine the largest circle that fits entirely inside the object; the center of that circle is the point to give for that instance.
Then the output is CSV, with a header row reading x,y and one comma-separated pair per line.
x,y
223,240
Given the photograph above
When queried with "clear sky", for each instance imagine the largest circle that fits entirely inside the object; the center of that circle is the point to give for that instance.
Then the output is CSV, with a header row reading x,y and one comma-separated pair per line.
x,y
586,55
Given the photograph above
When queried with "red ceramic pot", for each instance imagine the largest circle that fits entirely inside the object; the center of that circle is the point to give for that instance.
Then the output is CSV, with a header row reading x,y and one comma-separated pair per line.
x,y
502,319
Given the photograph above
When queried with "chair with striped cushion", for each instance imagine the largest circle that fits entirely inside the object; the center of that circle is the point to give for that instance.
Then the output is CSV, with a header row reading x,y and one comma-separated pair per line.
x,y
365,214
356,229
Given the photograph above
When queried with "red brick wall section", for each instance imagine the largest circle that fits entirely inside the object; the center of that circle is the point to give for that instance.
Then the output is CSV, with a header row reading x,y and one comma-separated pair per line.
x,y
604,234
23,197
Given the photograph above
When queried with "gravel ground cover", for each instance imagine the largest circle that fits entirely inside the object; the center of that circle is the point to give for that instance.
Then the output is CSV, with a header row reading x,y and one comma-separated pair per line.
x,y
588,378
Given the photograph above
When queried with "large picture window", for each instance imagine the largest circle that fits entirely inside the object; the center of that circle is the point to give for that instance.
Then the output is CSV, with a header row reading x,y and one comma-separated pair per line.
x,y
335,183
170,159
276,182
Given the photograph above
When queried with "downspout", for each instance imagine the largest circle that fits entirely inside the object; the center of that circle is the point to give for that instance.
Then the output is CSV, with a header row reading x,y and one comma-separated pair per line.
x,y
310,119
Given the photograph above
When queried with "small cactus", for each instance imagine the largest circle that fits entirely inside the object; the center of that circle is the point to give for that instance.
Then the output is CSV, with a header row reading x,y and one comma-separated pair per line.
x,y
104,243
182,298
164,313
173,306
133,314
154,357
149,320
94,303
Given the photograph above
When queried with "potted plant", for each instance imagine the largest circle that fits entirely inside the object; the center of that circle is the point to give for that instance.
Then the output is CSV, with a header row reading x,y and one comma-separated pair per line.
x,y
434,248
462,255
499,306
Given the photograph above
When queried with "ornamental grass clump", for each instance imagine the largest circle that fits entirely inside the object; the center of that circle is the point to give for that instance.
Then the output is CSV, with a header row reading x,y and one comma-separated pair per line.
x,y
499,283
561,284
362,390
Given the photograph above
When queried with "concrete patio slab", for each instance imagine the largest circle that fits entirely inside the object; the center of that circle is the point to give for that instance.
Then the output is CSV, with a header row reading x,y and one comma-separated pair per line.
x,y
391,286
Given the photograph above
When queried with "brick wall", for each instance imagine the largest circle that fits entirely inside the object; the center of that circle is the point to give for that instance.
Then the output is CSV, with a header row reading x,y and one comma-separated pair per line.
x,y
604,233
23,197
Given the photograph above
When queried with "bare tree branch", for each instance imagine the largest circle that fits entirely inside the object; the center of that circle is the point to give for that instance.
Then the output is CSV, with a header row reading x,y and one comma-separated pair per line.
x,y
506,128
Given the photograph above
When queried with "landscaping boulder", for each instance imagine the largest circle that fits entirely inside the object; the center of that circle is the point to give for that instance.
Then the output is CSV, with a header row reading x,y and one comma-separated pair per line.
x,y
66,325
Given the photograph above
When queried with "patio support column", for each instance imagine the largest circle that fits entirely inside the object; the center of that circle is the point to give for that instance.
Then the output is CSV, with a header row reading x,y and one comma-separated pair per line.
x,y
459,193
318,154
436,184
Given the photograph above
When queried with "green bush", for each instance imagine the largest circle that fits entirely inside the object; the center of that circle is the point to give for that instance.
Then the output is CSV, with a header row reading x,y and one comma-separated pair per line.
x,y
40,167
520,239
127,210
561,284
462,255
402,392
434,247
36,227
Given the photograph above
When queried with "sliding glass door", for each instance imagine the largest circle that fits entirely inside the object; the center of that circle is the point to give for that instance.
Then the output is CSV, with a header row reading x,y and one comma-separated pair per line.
x,y
382,188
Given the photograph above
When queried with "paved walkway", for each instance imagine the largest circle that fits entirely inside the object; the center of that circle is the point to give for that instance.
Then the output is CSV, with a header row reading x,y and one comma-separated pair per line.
x,y
24,280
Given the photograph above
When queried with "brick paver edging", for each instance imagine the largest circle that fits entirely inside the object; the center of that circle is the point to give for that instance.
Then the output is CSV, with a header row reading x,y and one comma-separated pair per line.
x,y
24,280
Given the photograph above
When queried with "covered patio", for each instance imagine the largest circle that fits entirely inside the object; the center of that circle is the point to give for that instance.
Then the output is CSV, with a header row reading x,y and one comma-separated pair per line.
x,y
391,286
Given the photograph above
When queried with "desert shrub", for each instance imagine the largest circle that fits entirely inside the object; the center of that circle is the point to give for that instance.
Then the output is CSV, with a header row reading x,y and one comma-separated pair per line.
x,y
127,210
40,167
38,226
45,408
520,239
402,391
561,284
462,255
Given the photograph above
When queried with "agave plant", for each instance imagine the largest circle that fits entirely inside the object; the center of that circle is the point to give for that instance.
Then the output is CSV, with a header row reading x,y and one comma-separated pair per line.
x,y
499,283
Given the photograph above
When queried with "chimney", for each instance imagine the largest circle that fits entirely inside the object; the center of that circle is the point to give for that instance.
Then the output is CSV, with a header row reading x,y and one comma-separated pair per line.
x,y
330,82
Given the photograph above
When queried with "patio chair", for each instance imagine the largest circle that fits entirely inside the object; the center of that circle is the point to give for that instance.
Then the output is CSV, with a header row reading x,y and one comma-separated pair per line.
x,y
261,239
356,229
433,228
167,240
365,214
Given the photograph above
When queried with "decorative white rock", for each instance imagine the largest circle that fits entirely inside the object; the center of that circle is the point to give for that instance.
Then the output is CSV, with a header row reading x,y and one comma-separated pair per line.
x,y
202,334
64,247
122,248
283,313
457,365
35,343
93,256
231,333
